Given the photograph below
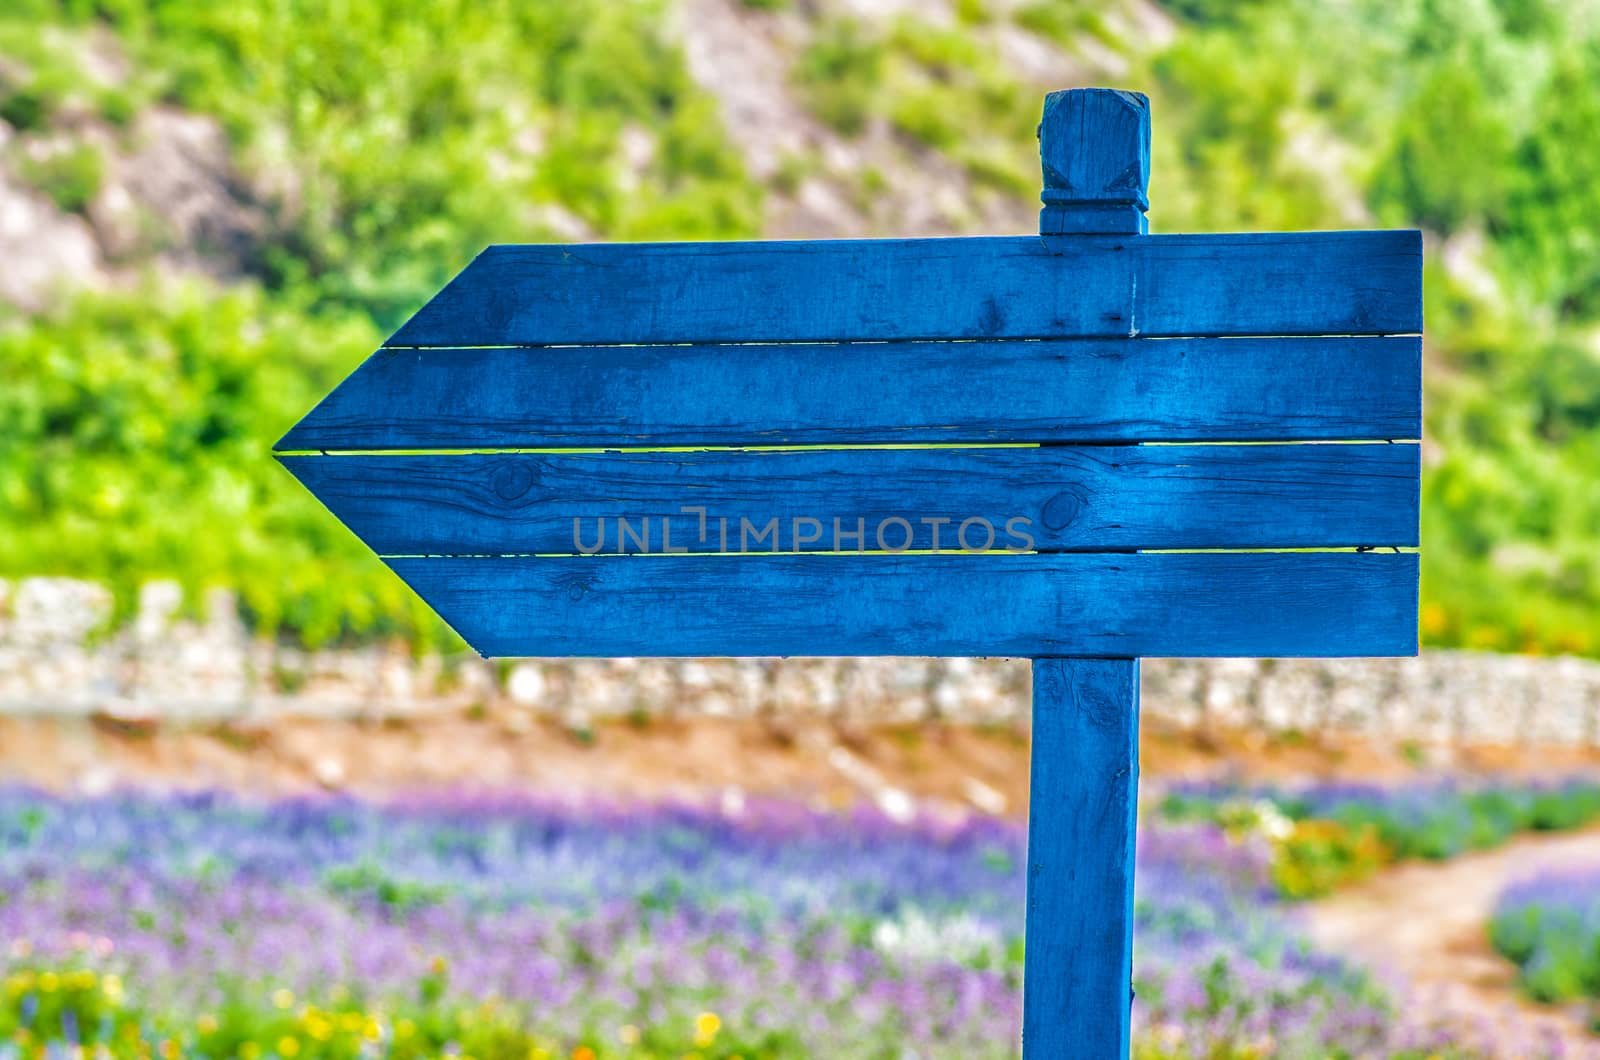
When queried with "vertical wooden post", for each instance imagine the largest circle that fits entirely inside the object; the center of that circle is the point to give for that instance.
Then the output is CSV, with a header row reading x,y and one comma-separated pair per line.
x,y
1077,988
1094,149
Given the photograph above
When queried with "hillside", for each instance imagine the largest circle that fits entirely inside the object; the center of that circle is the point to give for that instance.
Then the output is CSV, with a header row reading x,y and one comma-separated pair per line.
x,y
210,213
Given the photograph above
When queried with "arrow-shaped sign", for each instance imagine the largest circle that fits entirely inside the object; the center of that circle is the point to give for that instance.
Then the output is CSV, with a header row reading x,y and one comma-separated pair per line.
x,y
1090,442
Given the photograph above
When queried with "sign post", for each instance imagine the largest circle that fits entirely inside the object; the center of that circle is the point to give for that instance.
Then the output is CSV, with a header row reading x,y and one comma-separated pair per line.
x,y
921,447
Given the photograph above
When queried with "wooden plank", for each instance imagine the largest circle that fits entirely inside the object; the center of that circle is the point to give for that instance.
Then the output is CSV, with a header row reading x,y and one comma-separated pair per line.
x,y
1205,603
1297,283
1116,390
1050,499
1083,793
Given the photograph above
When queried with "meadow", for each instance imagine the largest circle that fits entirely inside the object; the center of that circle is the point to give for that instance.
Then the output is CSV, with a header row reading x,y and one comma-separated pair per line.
x,y
449,924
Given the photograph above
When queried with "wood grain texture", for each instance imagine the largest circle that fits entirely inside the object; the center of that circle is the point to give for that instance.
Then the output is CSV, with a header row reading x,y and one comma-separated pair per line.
x,y
1176,604
1083,793
1070,498
1116,390
1306,283
1094,150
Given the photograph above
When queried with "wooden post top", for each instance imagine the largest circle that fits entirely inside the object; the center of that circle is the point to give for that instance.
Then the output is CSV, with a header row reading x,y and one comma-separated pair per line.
x,y
1094,149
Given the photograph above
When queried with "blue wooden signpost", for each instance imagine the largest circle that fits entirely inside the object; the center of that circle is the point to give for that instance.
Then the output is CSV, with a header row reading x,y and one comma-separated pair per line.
x,y
921,447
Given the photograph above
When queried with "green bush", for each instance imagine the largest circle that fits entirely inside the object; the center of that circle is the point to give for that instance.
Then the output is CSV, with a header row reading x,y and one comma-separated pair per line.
x,y
71,176
1318,857
1546,927
839,74
149,420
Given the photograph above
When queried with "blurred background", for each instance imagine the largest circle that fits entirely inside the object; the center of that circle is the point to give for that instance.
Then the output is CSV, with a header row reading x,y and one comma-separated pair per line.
x,y
255,800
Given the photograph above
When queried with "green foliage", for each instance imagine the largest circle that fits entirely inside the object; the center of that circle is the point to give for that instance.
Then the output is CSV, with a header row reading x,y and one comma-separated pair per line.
x,y
839,73
409,137
1447,163
1325,839
43,76
369,879
148,422
22,109
1064,21
1552,940
973,12
50,1004
954,95
42,1007
1317,857
1547,223
1511,506
70,176
938,87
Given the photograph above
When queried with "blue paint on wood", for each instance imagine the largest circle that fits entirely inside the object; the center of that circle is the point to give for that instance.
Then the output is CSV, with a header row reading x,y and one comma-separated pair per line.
x,y
1306,283
1083,793
1162,603
1048,499
916,342
1102,390
1094,149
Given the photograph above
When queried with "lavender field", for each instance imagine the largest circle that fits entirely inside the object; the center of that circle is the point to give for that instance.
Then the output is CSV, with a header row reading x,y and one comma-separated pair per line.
x,y
1549,926
497,927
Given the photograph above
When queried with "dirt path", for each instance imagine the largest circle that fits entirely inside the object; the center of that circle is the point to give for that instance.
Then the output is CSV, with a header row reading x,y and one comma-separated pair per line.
x,y
1426,922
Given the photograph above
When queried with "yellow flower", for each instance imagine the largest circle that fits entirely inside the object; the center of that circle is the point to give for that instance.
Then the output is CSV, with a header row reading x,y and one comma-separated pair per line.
x,y
439,965
169,1049
706,1026
371,1031
111,986
207,1023
249,1051
583,1052
282,998
48,982
288,1046
628,1034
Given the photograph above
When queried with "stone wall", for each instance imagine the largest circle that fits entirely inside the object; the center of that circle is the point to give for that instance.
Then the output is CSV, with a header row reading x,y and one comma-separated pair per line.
x,y
58,655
